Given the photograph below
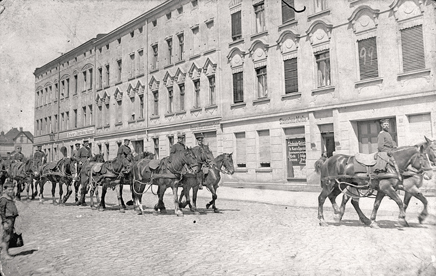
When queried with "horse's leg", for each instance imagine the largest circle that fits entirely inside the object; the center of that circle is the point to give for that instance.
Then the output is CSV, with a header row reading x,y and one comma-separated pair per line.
x,y
332,197
182,204
41,189
123,205
61,191
160,206
387,188
326,190
413,190
362,217
53,191
214,198
76,190
118,189
379,197
137,196
177,210
69,191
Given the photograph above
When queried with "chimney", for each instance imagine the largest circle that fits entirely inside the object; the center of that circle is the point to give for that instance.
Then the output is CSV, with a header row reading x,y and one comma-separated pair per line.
x,y
21,129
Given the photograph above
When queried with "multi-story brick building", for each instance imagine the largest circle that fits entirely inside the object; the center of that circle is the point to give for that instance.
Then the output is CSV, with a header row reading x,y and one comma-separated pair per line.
x,y
275,87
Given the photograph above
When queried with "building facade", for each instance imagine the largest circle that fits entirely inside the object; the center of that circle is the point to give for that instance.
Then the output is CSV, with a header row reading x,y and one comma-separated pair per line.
x,y
275,87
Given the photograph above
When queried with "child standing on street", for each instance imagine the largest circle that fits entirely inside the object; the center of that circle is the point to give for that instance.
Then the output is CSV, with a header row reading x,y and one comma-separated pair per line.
x,y
8,213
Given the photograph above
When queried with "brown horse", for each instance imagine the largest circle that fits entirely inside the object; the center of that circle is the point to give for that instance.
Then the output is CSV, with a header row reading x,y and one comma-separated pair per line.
x,y
22,174
97,158
338,174
108,175
59,172
222,163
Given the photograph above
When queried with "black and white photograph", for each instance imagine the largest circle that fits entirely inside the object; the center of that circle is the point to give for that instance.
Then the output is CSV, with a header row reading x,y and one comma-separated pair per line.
x,y
218,137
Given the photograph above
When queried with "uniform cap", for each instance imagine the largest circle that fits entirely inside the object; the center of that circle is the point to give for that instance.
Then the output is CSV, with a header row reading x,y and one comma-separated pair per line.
x,y
78,144
39,146
85,141
126,140
199,136
384,121
180,135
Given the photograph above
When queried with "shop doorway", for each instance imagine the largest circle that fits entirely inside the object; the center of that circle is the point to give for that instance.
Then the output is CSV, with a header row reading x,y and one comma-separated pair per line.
x,y
328,144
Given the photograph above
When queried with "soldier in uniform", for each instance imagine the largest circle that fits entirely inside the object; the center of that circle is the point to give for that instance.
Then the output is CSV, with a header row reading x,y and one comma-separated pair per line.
x,y
75,153
19,157
84,153
179,146
209,161
39,158
385,143
124,150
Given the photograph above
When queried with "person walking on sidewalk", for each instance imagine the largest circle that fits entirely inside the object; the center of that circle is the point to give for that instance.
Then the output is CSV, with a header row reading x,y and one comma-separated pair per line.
x,y
8,214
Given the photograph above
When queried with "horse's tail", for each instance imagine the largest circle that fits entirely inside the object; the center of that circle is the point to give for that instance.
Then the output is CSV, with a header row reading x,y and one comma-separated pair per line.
x,y
319,163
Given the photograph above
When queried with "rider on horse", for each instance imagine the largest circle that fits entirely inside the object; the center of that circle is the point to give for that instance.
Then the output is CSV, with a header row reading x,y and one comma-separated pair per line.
x,y
208,162
124,151
179,146
84,153
75,153
19,157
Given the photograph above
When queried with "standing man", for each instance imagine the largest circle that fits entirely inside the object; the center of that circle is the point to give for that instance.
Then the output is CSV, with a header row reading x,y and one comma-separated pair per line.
x,y
8,214
84,152
19,157
124,150
39,156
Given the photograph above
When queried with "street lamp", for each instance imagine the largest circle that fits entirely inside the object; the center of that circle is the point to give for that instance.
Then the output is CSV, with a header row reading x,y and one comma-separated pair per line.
x,y
52,135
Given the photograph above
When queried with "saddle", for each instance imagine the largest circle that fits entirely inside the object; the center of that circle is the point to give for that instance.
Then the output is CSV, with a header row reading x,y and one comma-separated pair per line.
x,y
374,162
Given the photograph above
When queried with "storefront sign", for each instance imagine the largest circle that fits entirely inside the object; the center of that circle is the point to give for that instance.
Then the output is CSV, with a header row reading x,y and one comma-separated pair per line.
x,y
80,132
297,151
293,119
208,125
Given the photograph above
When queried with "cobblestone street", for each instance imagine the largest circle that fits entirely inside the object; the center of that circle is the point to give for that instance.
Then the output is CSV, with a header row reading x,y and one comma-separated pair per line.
x,y
245,238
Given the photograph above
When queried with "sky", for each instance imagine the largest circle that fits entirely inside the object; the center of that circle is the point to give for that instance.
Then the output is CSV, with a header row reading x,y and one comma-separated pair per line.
x,y
34,32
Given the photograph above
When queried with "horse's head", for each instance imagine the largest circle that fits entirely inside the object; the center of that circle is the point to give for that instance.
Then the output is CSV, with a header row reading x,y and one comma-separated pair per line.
x,y
148,155
229,168
99,158
421,162
431,150
190,159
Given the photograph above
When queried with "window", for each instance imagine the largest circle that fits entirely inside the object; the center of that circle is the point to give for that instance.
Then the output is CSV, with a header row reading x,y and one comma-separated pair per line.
x,y
236,26
170,141
154,22
99,116
132,65
368,58
75,118
119,112
212,96
413,49
262,90
323,69
170,100
259,10
107,151
180,10
194,3
100,78
90,78
156,103
181,46
182,96
320,5
241,150
75,85
132,34
46,125
264,149
68,88
107,75
141,107
120,67
51,94
37,98
168,16
155,57
62,121
291,75
56,92
197,93
106,115
67,120
84,116
156,147
140,62
50,129
238,88
288,13
170,50
90,114
55,123
84,81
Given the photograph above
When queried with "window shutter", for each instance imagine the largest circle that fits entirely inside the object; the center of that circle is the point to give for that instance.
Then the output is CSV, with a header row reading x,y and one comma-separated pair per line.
x,y
413,48
368,63
287,13
236,24
241,149
291,75
264,147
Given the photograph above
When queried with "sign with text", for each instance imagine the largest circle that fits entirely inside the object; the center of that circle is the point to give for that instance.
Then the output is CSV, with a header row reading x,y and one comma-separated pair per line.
x,y
208,125
293,119
80,132
296,148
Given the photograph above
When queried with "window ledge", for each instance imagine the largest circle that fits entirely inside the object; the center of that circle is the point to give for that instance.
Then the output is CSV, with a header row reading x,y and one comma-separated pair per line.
x,y
241,170
211,107
209,51
368,81
170,114
262,170
154,70
107,86
99,89
236,105
89,89
131,78
236,42
318,14
140,75
153,117
414,73
258,35
168,66
196,109
131,122
119,82
179,62
83,91
290,23
291,95
106,126
261,100
182,112
119,124
325,89
195,56
99,128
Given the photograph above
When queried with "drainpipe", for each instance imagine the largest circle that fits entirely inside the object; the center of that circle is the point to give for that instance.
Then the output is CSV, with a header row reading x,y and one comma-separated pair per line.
x,y
146,73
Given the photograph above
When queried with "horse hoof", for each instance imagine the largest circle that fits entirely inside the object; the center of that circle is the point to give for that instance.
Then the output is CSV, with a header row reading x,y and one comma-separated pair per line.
x,y
421,219
93,208
155,208
55,203
323,223
337,217
155,213
101,209
403,223
374,225
196,213
122,210
139,213
216,210
179,214
207,206
163,211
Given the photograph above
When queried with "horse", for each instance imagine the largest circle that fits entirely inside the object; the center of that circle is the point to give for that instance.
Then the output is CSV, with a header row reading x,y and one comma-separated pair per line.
x,y
59,172
104,174
337,173
22,174
164,176
97,158
222,163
